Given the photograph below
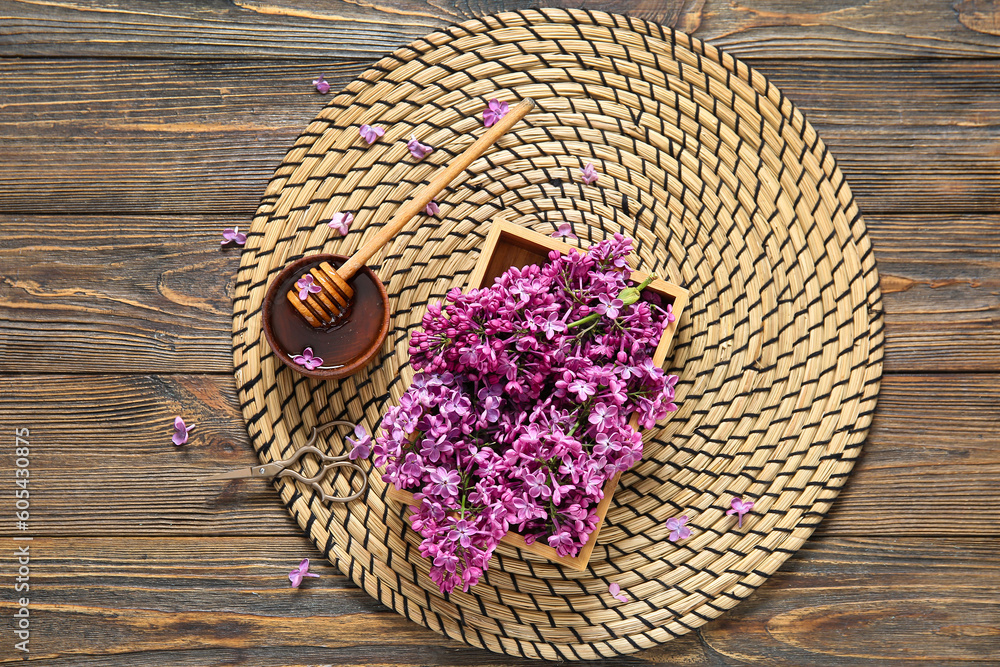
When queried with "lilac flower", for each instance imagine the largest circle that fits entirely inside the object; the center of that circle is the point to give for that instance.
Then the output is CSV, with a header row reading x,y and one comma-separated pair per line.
x,y
360,443
608,306
494,111
180,431
418,150
603,415
298,574
371,133
739,508
233,236
445,482
463,532
589,175
616,592
306,286
670,312
562,542
341,222
582,389
321,85
565,230
678,531
307,360
522,413
432,208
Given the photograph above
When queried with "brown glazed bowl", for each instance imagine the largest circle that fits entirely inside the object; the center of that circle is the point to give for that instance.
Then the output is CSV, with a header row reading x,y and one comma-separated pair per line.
x,y
356,348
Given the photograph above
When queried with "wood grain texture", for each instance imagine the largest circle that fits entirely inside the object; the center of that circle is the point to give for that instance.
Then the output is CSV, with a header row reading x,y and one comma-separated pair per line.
x,y
336,28
155,293
113,137
130,601
106,465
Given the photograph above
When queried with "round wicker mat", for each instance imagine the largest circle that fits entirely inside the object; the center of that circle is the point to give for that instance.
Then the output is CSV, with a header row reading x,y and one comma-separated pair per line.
x,y
725,188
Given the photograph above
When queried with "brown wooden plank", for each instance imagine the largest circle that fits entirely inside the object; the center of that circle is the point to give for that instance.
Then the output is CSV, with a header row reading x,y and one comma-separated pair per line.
x,y
210,601
102,459
331,28
204,137
153,294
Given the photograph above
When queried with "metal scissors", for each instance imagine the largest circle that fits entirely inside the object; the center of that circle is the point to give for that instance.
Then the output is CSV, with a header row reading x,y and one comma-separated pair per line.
x,y
328,464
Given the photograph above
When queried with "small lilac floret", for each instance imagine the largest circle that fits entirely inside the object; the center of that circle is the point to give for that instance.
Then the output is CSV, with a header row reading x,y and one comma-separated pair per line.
x,y
307,360
418,150
181,431
739,507
341,222
298,574
494,111
322,85
589,175
678,531
371,133
306,286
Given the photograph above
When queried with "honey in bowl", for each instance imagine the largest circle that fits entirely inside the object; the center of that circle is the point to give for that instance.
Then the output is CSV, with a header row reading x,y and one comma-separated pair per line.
x,y
347,344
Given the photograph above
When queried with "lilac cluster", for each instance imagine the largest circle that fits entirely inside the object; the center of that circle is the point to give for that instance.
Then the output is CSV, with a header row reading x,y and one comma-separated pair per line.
x,y
520,410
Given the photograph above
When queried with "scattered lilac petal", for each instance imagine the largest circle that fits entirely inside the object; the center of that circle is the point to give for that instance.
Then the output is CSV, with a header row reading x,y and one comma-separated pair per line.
x,y
678,531
418,150
371,133
361,444
181,431
432,208
341,222
322,85
233,236
302,571
589,175
494,111
670,313
565,231
306,286
739,508
307,360
616,592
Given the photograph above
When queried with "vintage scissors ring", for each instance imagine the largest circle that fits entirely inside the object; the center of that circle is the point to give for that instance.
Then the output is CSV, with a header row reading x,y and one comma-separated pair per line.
x,y
328,464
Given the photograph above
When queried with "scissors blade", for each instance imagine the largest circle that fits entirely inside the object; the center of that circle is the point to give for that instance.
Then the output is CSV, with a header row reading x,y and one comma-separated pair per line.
x,y
241,473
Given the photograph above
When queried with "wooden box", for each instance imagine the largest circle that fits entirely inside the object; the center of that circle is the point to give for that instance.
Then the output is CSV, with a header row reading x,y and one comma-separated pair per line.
x,y
509,245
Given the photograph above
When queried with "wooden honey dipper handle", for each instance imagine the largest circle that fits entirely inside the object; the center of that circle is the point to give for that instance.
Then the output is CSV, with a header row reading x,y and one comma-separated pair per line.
x,y
438,183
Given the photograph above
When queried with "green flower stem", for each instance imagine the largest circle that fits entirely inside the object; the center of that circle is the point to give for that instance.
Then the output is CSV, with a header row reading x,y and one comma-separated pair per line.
x,y
629,295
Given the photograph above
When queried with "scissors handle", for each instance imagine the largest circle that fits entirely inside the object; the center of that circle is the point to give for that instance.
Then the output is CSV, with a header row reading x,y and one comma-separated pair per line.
x,y
328,464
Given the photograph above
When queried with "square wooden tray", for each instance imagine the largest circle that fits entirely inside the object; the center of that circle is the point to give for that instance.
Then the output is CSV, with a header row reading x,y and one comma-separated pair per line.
x,y
510,245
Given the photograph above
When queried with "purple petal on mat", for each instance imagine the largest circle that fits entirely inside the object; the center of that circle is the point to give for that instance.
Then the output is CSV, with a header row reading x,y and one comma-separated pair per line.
x,y
616,592
494,111
432,208
565,230
678,531
589,175
371,133
739,508
418,150
341,222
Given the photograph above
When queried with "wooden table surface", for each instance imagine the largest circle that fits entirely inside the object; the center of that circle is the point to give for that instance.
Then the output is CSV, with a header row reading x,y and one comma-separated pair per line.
x,y
133,132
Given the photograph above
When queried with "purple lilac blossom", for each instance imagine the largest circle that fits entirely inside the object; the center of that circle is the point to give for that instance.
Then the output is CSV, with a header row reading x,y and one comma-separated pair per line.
x,y
494,111
418,150
516,418
739,507
370,133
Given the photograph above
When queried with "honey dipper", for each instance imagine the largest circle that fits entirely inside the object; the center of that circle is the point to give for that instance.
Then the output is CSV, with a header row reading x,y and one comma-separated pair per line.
x,y
325,307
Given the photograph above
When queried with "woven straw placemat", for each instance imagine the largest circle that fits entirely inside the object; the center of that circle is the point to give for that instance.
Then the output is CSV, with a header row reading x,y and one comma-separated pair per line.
x,y
725,188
